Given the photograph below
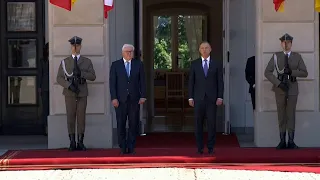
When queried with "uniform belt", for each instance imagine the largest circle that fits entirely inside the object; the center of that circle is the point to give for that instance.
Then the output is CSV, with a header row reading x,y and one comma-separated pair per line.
x,y
81,81
291,78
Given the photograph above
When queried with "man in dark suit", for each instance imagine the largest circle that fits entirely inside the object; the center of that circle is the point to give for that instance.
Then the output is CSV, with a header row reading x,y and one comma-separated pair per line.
x,y
44,86
205,94
128,91
250,77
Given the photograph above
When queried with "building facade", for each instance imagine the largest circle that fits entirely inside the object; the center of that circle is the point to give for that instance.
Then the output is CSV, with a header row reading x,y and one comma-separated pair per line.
x,y
166,33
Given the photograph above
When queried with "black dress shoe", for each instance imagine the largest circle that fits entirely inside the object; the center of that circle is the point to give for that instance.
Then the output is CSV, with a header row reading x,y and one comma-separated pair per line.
x,y
210,151
200,151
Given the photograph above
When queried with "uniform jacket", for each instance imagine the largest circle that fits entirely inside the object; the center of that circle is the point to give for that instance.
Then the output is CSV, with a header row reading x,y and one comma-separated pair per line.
x,y
44,75
87,72
296,64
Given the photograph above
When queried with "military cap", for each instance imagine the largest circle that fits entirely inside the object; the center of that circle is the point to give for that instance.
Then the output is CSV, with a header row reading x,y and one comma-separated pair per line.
x,y
286,37
75,40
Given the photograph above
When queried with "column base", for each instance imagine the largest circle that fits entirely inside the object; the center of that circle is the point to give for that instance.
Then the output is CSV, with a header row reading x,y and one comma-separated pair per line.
x,y
266,131
98,131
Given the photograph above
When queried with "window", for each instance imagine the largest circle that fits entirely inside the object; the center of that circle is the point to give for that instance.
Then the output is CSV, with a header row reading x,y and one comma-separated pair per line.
x,y
22,90
22,53
21,16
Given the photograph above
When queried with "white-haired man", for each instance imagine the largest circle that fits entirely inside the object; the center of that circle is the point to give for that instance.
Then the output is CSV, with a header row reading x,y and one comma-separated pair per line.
x,y
128,91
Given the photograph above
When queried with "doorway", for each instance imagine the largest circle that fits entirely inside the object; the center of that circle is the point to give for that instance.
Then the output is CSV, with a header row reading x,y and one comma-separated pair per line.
x,y
174,32
175,44
21,42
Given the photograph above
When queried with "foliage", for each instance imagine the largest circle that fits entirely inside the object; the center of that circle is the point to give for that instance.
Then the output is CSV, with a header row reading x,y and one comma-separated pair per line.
x,y
163,44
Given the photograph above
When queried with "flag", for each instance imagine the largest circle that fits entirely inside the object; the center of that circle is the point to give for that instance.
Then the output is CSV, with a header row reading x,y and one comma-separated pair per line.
x,y
72,2
108,5
317,5
278,5
65,4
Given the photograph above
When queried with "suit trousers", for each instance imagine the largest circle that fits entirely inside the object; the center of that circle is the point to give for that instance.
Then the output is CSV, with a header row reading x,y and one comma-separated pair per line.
x,y
76,112
128,110
205,109
45,107
286,112
253,98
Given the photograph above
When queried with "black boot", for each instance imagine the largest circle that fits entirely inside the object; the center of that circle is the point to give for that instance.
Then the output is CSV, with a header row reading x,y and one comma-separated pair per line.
x,y
291,144
80,145
282,144
72,146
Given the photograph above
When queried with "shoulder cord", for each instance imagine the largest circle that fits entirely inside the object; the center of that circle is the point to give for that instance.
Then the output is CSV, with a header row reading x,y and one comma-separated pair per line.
x,y
65,70
276,64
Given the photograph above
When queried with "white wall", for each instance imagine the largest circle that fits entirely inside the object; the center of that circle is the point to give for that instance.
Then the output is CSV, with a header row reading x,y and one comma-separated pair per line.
x,y
242,39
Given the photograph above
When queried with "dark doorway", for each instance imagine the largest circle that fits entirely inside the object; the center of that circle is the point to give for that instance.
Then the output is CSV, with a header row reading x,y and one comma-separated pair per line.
x,y
21,46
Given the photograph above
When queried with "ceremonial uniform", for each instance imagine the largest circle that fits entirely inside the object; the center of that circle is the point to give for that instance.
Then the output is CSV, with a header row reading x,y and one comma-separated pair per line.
x,y
285,86
73,73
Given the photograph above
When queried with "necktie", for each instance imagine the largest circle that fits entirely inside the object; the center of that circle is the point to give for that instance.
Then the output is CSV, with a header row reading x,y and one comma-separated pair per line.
x,y
205,67
128,68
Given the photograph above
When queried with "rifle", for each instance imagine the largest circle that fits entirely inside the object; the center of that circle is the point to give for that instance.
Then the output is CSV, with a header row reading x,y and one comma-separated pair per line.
x,y
286,77
76,72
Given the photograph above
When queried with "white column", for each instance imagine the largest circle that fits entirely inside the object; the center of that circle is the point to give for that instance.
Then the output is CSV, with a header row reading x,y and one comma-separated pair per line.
x,y
86,20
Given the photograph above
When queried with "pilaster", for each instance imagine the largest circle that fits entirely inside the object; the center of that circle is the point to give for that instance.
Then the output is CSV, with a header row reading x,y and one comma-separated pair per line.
x,y
299,20
86,20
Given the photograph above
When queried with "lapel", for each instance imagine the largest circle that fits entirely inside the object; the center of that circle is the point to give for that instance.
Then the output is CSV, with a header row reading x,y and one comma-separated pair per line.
x,y
210,65
133,67
69,64
201,67
291,57
80,60
123,68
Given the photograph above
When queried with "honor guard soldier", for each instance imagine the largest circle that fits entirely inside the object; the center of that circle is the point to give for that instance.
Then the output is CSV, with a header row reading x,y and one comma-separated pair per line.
x,y
73,73
282,71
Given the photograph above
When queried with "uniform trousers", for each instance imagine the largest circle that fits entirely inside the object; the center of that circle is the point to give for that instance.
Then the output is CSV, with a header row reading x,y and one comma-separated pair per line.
x,y
76,112
286,112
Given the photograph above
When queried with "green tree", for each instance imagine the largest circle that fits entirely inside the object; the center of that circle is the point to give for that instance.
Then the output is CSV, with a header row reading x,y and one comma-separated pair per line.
x,y
161,56
162,46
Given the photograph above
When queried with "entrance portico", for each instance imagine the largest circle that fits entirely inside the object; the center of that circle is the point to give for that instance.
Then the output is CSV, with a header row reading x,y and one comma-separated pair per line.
x,y
103,38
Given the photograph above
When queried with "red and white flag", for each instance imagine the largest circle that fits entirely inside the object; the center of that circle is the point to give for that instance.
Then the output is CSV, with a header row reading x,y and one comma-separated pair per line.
x,y
108,5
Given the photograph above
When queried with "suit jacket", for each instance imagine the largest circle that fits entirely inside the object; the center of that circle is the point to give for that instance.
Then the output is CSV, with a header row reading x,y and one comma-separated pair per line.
x,y
121,86
212,86
44,74
250,73
296,64
87,72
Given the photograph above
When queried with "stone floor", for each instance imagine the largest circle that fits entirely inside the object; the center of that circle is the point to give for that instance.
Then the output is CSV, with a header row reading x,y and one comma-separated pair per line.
x,y
40,142
154,174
